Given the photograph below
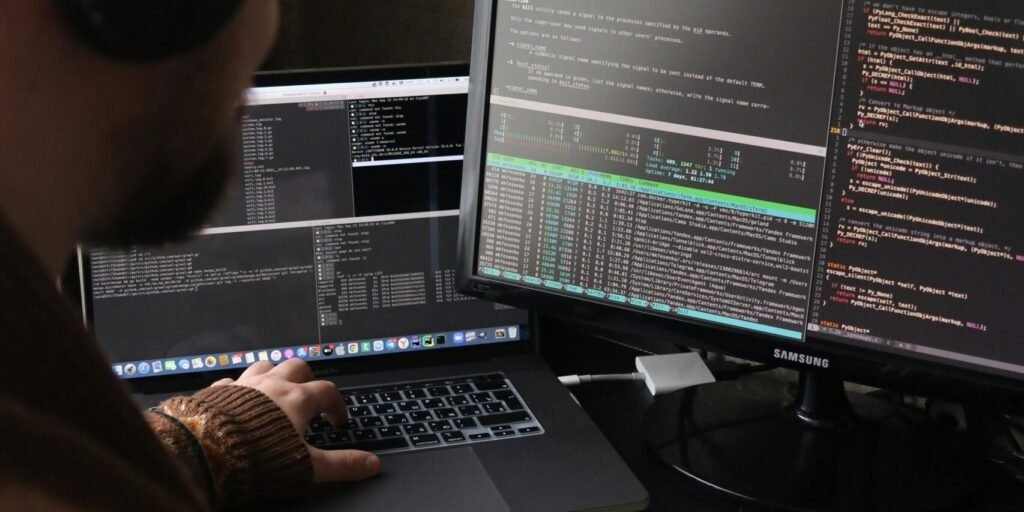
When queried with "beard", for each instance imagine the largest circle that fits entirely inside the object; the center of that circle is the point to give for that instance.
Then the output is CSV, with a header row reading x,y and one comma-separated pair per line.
x,y
166,207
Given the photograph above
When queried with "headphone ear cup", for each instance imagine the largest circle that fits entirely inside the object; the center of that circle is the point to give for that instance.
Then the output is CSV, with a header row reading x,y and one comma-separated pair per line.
x,y
146,30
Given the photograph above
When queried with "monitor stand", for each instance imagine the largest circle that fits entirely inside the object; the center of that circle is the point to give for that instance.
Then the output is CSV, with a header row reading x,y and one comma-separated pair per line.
x,y
758,441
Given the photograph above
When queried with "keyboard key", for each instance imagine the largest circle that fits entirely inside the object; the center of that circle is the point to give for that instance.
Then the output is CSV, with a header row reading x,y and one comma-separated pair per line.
x,y
396,419
456,400
371,421
384,408
424,439
503,433
509,398
318,425
494,407
359,411
453,437
438,426
377,445
316,439
513,404
503,395
385,432
470,410
479,398
433,403
529,430
415,428
409,406
501,419
463,389
439,391
414,394
464,423
445,413
491,385
338,436
498,428
349,402
364,434
421,416
351,424
482,435
365,399
391,396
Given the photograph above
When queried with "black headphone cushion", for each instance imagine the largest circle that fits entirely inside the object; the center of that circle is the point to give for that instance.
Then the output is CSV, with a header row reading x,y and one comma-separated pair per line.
x,y
147,29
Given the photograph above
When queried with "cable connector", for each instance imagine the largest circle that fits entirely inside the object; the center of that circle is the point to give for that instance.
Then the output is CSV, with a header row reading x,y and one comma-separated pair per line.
x,y
576,380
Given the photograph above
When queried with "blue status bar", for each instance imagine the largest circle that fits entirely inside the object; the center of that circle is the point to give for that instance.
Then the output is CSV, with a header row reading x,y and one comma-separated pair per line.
x,y
640,303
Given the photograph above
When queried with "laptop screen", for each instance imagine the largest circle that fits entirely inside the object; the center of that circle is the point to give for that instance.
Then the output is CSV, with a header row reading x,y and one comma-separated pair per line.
x,y
337,240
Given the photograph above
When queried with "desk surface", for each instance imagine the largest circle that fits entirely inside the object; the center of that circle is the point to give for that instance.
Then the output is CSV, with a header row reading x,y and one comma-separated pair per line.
x,y
617,408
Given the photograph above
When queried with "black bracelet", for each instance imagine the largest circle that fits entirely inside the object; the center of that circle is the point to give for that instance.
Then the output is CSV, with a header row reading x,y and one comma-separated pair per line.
x,y
197,451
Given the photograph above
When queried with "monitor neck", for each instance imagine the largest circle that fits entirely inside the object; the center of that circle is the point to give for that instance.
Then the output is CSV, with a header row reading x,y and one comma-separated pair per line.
x,y
822,402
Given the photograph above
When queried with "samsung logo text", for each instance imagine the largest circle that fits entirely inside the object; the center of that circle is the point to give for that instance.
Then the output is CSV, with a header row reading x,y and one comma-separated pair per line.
x,y
805,359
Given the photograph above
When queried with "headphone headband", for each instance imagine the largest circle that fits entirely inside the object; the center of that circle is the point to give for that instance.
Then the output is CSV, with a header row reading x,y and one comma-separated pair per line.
x,y
146,30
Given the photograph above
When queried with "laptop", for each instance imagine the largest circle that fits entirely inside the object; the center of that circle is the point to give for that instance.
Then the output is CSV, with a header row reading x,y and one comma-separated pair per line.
x,y
337,245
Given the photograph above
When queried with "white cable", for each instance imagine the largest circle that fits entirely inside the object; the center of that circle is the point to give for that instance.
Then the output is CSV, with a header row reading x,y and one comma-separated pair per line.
x,y
576,380
662,373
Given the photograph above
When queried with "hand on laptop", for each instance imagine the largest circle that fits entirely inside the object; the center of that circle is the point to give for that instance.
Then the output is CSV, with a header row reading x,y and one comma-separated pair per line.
x,y
291,386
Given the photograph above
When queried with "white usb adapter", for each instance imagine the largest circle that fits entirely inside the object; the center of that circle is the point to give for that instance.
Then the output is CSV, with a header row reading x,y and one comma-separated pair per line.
x,y
671,372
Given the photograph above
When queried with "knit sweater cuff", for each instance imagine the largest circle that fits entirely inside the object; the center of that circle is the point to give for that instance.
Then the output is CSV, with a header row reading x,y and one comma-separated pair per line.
x,y
251,448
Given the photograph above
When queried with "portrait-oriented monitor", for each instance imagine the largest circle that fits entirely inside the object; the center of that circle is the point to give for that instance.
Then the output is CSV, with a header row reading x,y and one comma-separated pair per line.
x,y
831,186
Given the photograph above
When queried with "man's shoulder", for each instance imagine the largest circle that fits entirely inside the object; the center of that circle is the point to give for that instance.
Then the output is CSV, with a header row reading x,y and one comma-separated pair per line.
x,y
49,461
64,417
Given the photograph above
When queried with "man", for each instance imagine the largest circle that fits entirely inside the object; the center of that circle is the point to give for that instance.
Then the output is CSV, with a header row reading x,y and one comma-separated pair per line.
x,y
113,151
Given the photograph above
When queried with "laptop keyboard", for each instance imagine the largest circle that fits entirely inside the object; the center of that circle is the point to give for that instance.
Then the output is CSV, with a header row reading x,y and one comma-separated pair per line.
x,y
428,414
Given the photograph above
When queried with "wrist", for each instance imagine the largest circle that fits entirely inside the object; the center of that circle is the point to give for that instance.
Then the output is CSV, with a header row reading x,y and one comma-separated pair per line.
x,y
251,448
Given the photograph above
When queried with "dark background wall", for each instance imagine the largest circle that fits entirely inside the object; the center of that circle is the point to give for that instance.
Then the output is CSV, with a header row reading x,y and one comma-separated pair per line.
x,y
333,33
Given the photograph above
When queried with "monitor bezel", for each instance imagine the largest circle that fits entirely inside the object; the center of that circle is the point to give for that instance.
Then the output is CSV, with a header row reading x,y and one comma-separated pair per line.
x,y
897,371
79,273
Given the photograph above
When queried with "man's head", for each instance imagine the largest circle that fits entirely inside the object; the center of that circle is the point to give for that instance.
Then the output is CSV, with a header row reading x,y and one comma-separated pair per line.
x,y
132,144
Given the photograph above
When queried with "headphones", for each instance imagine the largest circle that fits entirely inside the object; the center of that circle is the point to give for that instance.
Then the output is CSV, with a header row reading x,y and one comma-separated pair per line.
x,y
146,30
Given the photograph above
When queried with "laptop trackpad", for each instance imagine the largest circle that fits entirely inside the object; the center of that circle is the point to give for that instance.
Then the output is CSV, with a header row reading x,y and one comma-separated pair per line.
x,y
452,480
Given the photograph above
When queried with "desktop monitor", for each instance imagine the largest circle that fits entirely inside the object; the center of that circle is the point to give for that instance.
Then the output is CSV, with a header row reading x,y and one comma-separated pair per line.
x,y
335,244
826,185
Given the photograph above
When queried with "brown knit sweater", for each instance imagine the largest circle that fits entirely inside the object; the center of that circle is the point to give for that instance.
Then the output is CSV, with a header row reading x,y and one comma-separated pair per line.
x,y
72,439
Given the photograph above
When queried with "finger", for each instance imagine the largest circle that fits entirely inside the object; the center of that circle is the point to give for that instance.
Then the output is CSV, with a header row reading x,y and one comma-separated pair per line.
x,y
294,370
326,399
223,382
343,465
259,368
